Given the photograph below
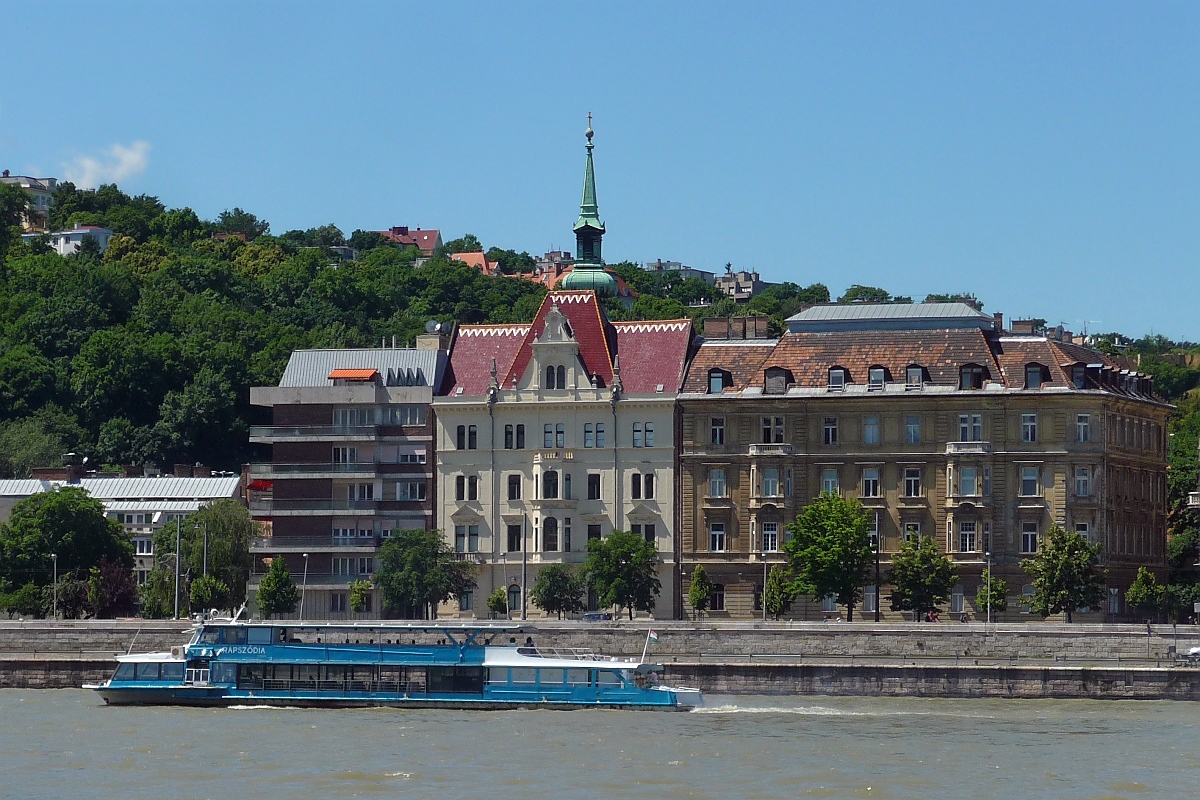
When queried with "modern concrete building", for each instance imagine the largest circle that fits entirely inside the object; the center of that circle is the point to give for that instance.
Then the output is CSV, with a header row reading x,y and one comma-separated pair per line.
x,y
352,461
941,424
69,241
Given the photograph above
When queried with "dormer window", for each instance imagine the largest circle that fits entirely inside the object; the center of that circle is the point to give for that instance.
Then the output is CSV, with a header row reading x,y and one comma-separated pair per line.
x,y
970,376
1035,376
776,380
914,377
718,381
837,379
876,378
1079,376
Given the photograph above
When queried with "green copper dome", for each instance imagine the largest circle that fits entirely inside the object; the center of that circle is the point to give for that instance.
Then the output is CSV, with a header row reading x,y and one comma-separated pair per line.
x,y
594,278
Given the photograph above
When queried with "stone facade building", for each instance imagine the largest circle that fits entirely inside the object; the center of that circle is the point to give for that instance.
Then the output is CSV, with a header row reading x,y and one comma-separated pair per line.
x,y
940,424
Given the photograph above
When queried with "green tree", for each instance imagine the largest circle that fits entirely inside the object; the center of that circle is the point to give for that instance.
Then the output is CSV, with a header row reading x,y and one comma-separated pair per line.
x,y
992,593
469,243
829,552
1146,594
209,592
418,570
243,222
870,294
111,590
360,595
497,603
277,593
778,594
25,601
700,592
14,203
67,522
622,568
559,589
921,577
1065,574
26,444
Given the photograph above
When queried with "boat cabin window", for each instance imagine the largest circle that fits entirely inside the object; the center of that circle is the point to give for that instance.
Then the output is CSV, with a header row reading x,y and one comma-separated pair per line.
x,y
607,677
551,677
210,635
124,673
458,680
147,671
578,677
524,675
172,671
259,635
223,672
233,635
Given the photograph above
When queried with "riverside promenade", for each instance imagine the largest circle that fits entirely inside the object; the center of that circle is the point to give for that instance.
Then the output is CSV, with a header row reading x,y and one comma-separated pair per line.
x,y
946,659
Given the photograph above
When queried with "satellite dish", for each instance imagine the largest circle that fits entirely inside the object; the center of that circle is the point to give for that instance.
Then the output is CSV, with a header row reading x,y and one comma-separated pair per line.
x,y
433,326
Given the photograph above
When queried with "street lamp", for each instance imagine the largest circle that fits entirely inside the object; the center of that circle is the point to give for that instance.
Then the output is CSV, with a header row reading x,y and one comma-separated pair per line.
x,y
762,597
54,558
988,555
876,543
303,587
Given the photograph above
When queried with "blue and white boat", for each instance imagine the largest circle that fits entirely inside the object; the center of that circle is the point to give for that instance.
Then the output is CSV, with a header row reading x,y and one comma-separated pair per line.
x,y
228,663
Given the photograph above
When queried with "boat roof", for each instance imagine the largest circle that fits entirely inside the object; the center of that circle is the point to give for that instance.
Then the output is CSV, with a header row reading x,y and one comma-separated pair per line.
x,y
517,657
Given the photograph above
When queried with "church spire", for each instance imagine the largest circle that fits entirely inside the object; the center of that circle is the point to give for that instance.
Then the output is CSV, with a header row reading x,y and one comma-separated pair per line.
x,y
588,228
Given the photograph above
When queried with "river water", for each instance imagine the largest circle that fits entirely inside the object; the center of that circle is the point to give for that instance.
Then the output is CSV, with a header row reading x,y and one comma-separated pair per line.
x,y
56,744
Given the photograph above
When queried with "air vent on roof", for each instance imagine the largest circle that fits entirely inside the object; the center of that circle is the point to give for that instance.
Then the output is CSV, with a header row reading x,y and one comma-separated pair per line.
x,y
658,388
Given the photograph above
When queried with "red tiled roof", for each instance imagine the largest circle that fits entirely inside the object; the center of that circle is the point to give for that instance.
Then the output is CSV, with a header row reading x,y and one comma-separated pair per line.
x,y
1014,352
478,260
475,346
741,358
588,326
653,353
414,237
809,356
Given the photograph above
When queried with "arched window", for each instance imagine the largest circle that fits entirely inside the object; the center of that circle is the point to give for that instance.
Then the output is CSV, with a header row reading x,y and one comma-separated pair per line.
x,y
514,598
562,377
718,380
550,535
549,377
550,485
1035,375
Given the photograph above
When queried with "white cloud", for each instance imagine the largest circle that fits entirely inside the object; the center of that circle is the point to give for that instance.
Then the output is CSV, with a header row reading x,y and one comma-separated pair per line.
x,y
116,164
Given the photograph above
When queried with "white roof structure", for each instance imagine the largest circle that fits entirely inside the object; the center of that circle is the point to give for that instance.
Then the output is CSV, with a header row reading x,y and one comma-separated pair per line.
x,y
161,489
396,366
888,316
24,487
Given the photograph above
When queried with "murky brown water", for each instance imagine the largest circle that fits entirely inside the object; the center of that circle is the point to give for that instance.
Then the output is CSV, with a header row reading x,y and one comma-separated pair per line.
x,y
56,744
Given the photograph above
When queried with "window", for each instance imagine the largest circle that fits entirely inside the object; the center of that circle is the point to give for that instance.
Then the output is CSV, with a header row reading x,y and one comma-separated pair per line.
x,y
514,598
408,414
1079,376
912,481
970,427
1114,601
987,537
876,376
550,485
1029,428
593,481
829,481
648,485
520,437
560,435
1030,482
549,535
1029,537
562,378
599,434
1084,530
1033,376
870,599
566,486
776,380
549,377
637,434
145,547
460,487
1027,592
648,531
514,487
410,490
360,491
514,538
968,484
1083,481
956,600
508,437
566,535
589,435
716,537
770,483
718,380
912,531
717,430
829,603
873,531
770,537
912,430
970,377
914,377
837,379
871,430
548,436
472,487
466,600
717,601
1083,427
649,434
716,482
966,537
831,430
472,437
870,482
345,455
773,430
593,531
635,486
337,602
787,489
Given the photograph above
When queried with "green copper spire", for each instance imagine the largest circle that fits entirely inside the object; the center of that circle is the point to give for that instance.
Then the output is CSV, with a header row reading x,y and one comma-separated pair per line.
x,y
588,228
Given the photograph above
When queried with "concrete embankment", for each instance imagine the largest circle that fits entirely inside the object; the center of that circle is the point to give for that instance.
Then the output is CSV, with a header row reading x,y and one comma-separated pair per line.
x,y
943,660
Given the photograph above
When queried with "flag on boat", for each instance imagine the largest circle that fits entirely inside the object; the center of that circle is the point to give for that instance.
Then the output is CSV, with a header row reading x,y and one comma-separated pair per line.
x,y
652,638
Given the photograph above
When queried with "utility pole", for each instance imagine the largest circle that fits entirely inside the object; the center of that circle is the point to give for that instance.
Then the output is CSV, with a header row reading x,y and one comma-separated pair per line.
x,y
877,543
206,549
178,535
524,562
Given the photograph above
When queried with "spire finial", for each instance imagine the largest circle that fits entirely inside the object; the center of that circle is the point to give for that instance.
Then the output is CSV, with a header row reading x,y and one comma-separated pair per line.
x,y
589,133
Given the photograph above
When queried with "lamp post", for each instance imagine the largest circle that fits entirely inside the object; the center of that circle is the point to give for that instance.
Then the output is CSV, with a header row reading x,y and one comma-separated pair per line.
x,y
303,587
54,558
988,554
877,573
762,598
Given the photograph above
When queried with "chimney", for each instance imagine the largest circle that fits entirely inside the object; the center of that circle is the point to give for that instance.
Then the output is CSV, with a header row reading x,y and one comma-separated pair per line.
x,y
201,471
998,322
182,471
132,471
1023,326
716,327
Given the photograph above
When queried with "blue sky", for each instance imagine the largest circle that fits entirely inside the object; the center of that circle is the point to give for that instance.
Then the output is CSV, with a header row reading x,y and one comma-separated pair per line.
x,y
1045,156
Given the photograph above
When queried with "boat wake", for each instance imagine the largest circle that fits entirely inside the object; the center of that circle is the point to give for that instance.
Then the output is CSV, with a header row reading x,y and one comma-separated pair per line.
x,y
811,711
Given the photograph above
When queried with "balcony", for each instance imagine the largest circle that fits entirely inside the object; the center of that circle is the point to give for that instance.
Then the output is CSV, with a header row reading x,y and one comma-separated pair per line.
x,y
770,450
319,544
314,580
267,434
1194,500
968,448
306,507
366,469
976,500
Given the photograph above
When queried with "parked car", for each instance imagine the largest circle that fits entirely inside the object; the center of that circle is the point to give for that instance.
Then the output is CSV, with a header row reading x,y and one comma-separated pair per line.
x,y
596,616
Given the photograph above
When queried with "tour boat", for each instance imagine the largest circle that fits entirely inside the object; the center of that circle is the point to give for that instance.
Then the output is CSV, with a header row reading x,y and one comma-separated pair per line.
x,y
230,663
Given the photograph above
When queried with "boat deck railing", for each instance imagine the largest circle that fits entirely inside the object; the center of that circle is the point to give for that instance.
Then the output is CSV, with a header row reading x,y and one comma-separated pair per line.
x,y
572,653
